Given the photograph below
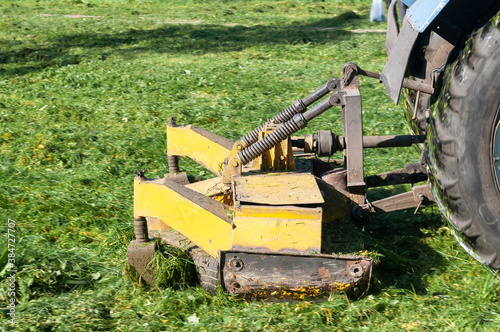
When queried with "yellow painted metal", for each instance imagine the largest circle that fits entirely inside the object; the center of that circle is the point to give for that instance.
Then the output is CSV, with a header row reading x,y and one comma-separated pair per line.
x,y
277,189
155,224
206,222
356,198
277,228
213,188
279,157
206,148
199,218
234,166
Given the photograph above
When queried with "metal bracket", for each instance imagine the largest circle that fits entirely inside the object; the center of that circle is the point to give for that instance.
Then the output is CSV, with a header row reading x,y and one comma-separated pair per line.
x,y
334,84
232,165
353,132
418,196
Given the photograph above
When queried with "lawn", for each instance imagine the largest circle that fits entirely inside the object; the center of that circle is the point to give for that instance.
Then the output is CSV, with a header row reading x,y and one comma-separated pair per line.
x,y
86,89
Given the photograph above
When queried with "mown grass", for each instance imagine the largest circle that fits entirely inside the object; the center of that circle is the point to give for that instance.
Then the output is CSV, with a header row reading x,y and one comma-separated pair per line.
x,y
84,103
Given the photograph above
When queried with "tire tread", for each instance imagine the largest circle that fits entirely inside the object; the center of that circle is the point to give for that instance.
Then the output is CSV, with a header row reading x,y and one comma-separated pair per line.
x,y
442,151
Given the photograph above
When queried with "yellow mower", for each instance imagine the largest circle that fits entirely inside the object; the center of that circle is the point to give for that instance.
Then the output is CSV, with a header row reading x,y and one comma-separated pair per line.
x,y
260,226
257,227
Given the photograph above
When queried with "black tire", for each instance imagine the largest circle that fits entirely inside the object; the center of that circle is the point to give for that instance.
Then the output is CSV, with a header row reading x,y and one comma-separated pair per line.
x,y
459,151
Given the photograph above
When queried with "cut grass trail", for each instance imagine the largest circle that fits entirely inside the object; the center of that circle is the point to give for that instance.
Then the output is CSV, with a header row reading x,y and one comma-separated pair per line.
x,y
84,101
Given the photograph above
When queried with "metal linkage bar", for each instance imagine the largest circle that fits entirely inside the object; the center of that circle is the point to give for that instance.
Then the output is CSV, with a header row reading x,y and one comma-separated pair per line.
x,y
298,106
417,197
409,84
325,143
392,141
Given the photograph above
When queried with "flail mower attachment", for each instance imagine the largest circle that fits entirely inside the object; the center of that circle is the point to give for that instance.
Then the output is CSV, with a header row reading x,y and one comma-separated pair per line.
x,y
257,227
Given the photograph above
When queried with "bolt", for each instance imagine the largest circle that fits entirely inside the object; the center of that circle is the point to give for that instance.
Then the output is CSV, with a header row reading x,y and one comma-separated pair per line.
x,y
235,164
282,157
171,122
336,100
356,270
140,174
333,86
239,146
235,264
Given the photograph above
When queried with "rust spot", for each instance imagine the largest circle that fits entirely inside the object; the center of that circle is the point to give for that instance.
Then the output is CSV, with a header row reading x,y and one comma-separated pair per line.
x,y
325,274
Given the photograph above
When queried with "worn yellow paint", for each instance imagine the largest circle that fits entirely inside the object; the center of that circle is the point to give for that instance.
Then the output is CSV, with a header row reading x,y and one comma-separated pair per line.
x,y
279,157
213,188
155,224
210,187
300,293
199,145
207,227
278,189
356,198
234,165
277,228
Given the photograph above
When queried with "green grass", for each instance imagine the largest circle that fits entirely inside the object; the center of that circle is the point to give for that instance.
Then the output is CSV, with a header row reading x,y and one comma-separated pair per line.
x,y
84,102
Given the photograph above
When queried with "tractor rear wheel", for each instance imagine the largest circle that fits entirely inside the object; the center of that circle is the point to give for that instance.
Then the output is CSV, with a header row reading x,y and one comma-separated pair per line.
x,y
463,149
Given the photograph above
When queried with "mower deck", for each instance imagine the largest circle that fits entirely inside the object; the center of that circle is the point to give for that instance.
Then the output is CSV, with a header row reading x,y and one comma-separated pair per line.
x,y
256,228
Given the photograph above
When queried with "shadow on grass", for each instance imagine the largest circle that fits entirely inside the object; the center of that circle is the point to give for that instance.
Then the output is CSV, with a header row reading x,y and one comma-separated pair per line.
x,y
400,237
192,39
406,259
398,243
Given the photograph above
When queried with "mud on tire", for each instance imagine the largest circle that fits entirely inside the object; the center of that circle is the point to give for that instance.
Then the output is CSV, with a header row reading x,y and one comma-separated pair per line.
x,y
460,149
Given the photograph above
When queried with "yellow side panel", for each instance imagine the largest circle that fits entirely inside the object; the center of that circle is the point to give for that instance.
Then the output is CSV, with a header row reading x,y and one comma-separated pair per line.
x,y
202,146
199,218
278,229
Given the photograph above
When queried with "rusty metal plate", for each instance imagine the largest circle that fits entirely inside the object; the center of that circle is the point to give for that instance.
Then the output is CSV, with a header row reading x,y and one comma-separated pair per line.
x,y
284,275
140,257
277,189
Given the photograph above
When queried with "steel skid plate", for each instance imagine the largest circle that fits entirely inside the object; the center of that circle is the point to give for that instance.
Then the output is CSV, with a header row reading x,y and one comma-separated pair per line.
x,y
140,257
297,276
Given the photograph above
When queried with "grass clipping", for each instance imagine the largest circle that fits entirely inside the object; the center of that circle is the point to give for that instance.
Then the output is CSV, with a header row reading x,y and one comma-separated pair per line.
x,y
173,267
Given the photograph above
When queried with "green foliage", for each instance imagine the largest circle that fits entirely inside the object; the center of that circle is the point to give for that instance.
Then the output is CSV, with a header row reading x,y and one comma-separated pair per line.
x,y
84,102
173,267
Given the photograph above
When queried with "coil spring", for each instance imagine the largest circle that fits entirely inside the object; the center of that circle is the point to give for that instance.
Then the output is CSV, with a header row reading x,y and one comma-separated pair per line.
x,y
278,135
173,164
141,229
283,116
